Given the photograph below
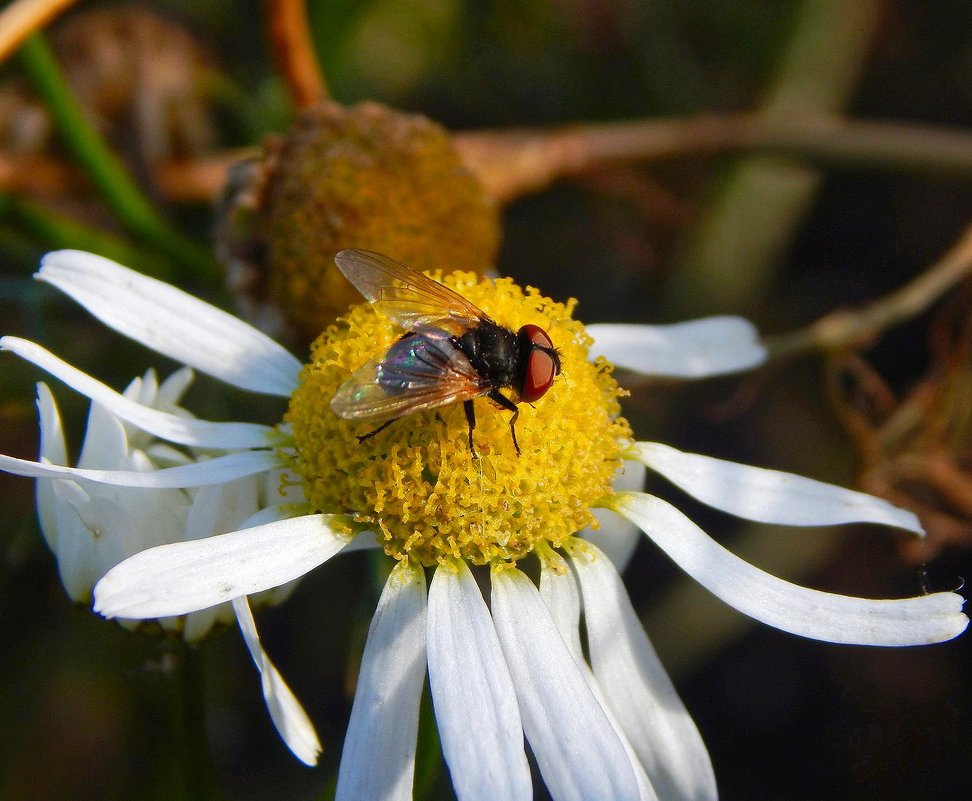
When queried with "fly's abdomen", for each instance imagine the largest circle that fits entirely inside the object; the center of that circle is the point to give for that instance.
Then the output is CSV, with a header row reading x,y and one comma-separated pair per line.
x,y
413,360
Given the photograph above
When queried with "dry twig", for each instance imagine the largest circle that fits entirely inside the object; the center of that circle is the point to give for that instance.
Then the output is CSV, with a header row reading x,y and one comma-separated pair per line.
x,y
518,162
847,328
293,50
22,17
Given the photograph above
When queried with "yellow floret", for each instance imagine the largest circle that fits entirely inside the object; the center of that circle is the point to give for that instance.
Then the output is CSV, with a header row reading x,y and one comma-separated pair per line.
x,y
418,484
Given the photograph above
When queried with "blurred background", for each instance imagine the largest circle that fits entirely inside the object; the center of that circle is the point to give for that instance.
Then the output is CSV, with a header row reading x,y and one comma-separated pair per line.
x,y
774,214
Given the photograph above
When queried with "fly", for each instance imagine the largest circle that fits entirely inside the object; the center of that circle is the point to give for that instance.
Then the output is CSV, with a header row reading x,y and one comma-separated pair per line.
x,y
452,351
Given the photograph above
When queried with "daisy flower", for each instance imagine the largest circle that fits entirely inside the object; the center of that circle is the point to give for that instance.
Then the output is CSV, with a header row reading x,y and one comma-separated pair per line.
x,y
593,702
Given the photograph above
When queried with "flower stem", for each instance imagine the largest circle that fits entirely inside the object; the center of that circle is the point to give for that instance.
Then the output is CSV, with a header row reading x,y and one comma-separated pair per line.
x,y
55,230
190,742
428,751
728,260
117,189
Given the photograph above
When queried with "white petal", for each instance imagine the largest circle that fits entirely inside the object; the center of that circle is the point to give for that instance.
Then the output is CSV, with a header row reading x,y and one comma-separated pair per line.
x,y
475,705
106,444
271,514
769,496
53,450
365,541
561,595
87,541
143,390
197,474
616,536
285,710
578,752
810,613
694,349
161,454
175,428
638,689
182,577
378,760
219,509
52,447
95,532
173,322
161,513
222,508
197,625
171,390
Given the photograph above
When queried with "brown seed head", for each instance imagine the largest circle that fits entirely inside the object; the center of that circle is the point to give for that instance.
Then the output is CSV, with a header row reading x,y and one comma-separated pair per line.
x,y
366,177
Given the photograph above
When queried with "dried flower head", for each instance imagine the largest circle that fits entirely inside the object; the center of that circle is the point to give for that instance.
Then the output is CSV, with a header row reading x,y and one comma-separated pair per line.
x,y
916,451
367,177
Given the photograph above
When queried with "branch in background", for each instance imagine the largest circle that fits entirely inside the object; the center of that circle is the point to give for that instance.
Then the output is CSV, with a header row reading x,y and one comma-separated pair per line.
x,y
23,17
914,450
293,51
847,328
195,180
514,163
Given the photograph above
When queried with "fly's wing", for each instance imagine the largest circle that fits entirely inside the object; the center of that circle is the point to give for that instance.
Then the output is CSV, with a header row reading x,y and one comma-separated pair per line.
x,y
409,298
421,371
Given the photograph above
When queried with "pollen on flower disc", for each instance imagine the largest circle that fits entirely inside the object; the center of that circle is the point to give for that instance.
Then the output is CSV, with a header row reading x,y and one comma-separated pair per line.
x,y
417,483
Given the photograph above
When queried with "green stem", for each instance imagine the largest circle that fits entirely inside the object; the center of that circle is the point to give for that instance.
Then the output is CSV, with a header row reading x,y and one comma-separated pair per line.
x,y
107,173
428,751
191,744
729,259
58,231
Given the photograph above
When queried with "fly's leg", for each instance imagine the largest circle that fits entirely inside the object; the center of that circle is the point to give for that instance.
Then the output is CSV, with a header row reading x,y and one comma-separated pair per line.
x,y
470,410
516,444
497,397
370,434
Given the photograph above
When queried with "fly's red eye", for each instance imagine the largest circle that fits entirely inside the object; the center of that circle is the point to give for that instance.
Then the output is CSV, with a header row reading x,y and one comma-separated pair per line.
x,y
540,365
536,336
541,370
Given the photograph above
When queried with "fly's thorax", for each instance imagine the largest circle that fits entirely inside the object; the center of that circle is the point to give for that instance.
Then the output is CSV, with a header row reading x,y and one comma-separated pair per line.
x,y
494,353
417,484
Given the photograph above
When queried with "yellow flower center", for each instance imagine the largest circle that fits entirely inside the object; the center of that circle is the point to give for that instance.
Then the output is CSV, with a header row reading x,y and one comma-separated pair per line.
x,y
417,484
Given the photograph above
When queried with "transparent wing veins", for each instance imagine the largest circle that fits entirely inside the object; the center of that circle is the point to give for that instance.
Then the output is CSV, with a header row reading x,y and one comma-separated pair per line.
x,y
405,296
